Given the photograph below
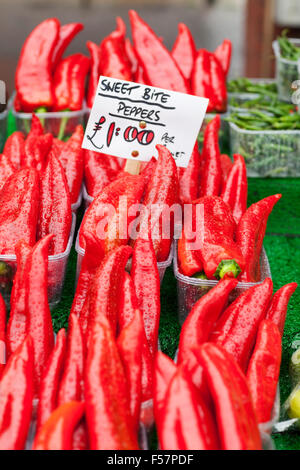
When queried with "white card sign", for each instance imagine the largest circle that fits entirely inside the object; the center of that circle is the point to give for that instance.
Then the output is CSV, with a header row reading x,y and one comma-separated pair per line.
x,y
128,120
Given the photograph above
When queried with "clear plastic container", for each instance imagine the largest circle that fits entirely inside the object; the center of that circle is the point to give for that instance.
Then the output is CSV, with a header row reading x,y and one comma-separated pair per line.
x,y
86,197
3,128
57,265
267,427
267,153
244,96
190,290
77,204
61,124
286,71
162,266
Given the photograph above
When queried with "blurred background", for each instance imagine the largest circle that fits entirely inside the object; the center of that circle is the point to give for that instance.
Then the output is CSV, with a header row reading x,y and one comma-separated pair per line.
x,y
250,24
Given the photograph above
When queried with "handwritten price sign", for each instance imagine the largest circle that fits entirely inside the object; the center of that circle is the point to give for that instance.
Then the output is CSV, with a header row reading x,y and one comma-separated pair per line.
x,y
128,119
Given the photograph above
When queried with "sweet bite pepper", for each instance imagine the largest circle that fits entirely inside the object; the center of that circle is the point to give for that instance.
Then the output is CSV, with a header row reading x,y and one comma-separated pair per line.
x,y
235,188
237,327
151,52
211,174
263,370
250,234
223,54
99,171
6,170
184,50
109,421
237,424
67,32
14,149
164,371
16,394
35,66
278,307
94,51
189,178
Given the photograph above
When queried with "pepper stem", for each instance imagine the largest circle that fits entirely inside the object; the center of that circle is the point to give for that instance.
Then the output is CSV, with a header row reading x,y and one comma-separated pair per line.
x,y
62,128
41,109
228,268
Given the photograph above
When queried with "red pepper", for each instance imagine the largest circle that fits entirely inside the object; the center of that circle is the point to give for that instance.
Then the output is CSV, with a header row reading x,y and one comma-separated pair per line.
x,y
57,432
186,423
2,334
263,370
16,394
107,213
161,193
140,76
37,149
184,50
39,322
17,323
113,58
147,169
50,380
6,169
202,318
36,128
99,171
55,214
159,67
218,251
250,235
130,347
189,260
18,210
91,261
35,65
223,54
71,158
237,425
144,267
130,52
209,81
278,307
67,32
235,189
236,330
94,51
110,425
189,178
211,176
105,288
226,165
69,82
14,149
128,304
164,371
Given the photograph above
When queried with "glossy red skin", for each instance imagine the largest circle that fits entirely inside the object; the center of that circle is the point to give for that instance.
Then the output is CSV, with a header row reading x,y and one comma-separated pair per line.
x,y
235,189
19,210
57,432
223,54
279,304
144,266
50,380
105,288
162,190
67,32
186,422
36,128
34,70
99,171
92,259
130,347
69,82
164,371
140,76
114,61
128,304
209,81
236,420
211,175
226,165
55,214
94,51
39,321
188,260
147,169
129,186
6,169
250,234
184,50
2,333
189,178
216,236
36,152
237,327
130,52
71,158
263,370
14,149
202,318
151,52
16,394
17,322
108,416
71,384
